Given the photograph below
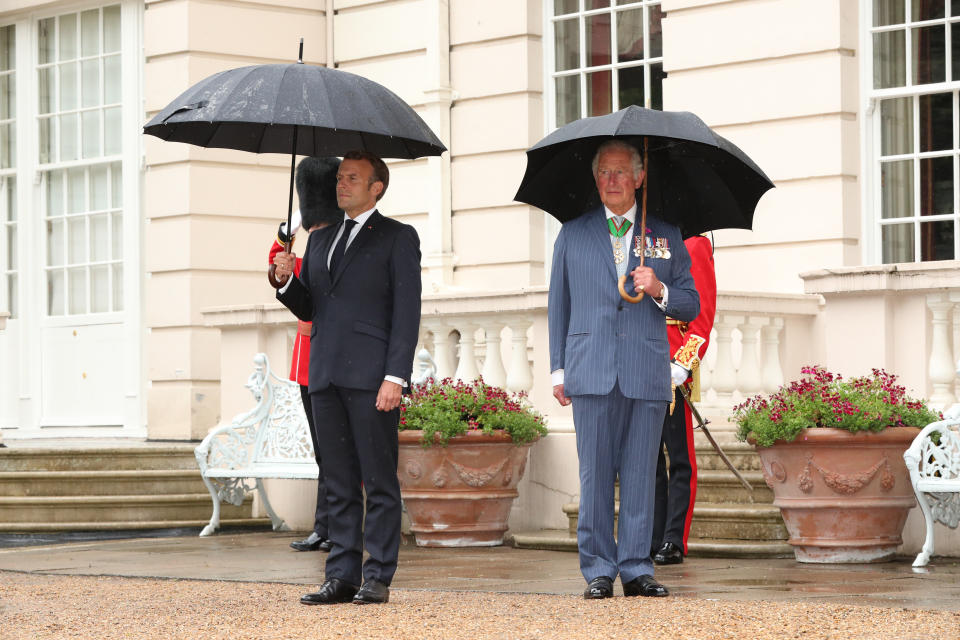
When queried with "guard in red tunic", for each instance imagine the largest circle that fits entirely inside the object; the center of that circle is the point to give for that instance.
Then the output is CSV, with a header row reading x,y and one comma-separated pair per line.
x,y
316,183
677,491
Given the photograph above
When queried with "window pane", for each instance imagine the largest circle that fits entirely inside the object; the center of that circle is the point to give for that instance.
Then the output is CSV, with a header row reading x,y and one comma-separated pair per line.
x,y
45,46
116,236
955,45
12,199
936,186
630,89
76,240
99,289
91,82
889,60
8,97
897,241
76,196
929,55
68,86
888,12
896,189
90,32
630,35
598,39
69,132
561,7
896,126
91,134
117,280
68,37
7,146
77,279
116,185
11,248
111,28
568,99
55,243
656,86
8,47
955,7
55,293
936,240
111,131
927,10
55,194
599,93
99,188
12,295
99,238
656,32
936,122
45,100
596,4
111,80
47,128
567,44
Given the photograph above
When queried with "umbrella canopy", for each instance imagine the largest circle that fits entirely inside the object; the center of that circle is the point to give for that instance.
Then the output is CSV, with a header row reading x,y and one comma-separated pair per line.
x,y
696,179
267,108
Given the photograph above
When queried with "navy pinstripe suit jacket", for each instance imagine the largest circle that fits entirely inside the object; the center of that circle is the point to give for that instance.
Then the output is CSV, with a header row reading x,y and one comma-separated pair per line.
x,y
598,338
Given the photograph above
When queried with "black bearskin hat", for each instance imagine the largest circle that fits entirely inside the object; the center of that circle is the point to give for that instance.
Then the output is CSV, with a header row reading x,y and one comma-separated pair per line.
x,y
316,182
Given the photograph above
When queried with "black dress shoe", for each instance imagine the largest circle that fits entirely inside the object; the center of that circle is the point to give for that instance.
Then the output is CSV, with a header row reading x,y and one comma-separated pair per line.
x,y
333,591
644,586
372,592
598,588
668,553
313,542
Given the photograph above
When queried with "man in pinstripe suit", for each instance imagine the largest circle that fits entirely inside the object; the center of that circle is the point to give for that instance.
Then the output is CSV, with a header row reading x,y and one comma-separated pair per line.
x,y
611,359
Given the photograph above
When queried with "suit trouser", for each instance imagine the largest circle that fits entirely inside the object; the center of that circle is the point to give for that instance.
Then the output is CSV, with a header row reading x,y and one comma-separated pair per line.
x,y
616,435
677,491
360,454
320,517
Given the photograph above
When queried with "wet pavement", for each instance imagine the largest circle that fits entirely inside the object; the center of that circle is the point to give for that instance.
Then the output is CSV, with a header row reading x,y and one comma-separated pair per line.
x,y
266,557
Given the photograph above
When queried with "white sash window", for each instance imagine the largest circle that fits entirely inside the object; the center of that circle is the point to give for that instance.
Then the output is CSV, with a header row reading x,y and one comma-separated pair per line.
x,y
8,165
602,55
912,129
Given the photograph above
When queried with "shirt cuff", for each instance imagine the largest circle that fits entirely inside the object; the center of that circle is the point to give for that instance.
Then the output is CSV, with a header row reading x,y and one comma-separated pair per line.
x,y
284,288
396,380
662,303
556,377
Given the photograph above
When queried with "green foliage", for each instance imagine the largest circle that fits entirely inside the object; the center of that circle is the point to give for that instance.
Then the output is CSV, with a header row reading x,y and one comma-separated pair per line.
x,y
824,399
447,409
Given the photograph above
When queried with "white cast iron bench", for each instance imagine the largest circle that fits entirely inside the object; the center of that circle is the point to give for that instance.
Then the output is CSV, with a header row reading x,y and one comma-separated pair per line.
x,y
270,441
935,474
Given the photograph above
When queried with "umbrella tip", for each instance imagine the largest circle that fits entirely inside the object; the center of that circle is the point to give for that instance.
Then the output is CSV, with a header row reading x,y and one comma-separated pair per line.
x,y
300,56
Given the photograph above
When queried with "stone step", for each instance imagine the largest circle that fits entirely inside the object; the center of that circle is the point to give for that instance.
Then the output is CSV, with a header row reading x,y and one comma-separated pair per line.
x,y
721,486
743,456
760,522
100,483
136,456
563,540
754,522
130,525
112,509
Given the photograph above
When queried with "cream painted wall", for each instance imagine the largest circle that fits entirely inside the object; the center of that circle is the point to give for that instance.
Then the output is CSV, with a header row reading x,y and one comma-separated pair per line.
x,y
786,94
211,214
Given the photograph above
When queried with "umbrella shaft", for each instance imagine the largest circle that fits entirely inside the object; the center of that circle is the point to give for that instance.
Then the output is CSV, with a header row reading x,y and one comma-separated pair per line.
x,y
293,163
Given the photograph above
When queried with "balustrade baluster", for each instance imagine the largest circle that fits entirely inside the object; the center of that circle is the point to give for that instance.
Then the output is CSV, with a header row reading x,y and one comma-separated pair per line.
x,y
443,350
493,370
467,367
941,367
724,374
748,374
520,377
772,373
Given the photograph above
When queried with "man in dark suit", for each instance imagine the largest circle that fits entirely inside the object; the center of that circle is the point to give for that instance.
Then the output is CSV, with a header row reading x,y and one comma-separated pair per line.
x,y
360,285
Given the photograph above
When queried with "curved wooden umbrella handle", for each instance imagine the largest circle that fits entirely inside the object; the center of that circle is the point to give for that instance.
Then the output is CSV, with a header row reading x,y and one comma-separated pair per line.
x,y
623,292
275,282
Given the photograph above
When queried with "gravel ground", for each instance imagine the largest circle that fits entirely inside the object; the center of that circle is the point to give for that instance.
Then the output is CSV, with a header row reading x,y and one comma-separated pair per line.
x,y
40,607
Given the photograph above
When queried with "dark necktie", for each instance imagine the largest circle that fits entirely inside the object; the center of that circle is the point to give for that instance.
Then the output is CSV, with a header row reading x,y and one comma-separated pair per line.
x,y
341,247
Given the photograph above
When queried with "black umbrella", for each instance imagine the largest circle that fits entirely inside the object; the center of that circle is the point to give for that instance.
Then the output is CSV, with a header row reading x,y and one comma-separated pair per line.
x,y
298,109
696,179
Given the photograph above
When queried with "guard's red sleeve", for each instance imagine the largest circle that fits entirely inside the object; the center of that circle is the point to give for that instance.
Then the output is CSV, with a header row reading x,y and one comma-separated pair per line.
x,y
697,336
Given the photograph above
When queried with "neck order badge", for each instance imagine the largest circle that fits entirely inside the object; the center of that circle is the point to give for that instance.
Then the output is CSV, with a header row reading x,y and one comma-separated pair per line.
x,y
618,226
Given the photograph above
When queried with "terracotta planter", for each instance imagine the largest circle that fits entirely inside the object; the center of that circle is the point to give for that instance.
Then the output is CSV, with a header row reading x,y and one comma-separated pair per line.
x,y
460,495
844,496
